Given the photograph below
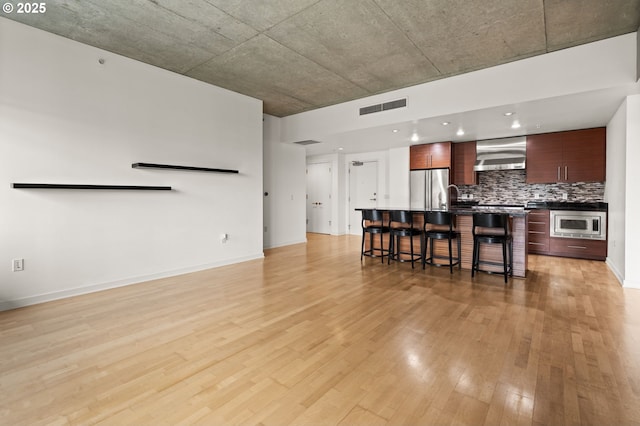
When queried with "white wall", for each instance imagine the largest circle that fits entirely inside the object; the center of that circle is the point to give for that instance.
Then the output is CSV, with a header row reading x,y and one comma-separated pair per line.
x,y
623,193
632,202
65,118
399,177
284,171
615,190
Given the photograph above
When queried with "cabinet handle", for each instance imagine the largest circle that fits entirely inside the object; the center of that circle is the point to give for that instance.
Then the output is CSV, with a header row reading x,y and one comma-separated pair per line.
x,y
537,232
537,223
558,173
578,247
566,172
536,244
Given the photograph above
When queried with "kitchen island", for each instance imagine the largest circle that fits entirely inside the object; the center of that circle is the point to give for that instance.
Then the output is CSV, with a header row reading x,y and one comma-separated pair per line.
x,y
464,224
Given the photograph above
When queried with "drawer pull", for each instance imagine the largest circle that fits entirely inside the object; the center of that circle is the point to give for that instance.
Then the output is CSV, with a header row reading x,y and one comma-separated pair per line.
x,y
536,244
537,223
537,232
578,247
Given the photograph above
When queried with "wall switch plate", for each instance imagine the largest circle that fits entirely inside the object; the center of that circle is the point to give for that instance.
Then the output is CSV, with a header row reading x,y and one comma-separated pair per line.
x,y
564,195
17,265
536,196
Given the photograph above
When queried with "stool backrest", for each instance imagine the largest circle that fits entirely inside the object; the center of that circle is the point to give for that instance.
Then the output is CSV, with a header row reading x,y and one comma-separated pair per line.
x,y
374,217
402,216
372,214
438,218
491,220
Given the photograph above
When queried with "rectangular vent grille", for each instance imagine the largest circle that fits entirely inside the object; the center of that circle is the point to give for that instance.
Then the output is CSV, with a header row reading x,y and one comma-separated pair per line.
x,y
370,109
307,142
399,103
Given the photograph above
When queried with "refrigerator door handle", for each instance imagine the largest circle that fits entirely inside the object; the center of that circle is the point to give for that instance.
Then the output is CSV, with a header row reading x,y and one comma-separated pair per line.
x,y
427,193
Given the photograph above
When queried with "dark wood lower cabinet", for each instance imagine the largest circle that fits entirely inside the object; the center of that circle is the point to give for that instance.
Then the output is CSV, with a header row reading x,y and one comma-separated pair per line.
x,y
578,248
541,243
538,230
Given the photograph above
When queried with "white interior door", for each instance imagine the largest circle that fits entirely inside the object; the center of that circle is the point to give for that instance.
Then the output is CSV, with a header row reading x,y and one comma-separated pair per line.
x,y
319,198
363,191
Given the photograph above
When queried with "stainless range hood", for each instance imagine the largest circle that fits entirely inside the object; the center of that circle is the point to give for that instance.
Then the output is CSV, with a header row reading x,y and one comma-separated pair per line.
x,y
501,154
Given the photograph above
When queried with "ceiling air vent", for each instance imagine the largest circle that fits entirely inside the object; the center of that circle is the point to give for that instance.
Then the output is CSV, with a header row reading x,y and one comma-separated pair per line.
x,y
370,109
399,103
307,142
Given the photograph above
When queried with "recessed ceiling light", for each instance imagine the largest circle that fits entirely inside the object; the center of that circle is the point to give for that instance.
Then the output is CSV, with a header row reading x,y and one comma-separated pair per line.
x,y
395,130
515,125
415,138
340,149
446,123
507,114
460,132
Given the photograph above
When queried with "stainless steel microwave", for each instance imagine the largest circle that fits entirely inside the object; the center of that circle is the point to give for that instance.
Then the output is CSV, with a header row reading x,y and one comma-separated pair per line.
x,y
578,224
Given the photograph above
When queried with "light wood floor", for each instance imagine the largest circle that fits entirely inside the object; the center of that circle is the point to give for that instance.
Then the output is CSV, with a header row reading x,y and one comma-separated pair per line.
x,y
309,335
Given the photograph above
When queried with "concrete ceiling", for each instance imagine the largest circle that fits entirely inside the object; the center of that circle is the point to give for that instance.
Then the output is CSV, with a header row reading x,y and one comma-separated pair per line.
x,y
298,55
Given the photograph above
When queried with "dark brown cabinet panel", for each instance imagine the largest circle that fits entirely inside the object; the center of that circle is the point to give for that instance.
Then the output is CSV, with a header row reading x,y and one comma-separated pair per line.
x,y
573,156
585,155
464,158
544,158
430,156
538,230
418,157
582,249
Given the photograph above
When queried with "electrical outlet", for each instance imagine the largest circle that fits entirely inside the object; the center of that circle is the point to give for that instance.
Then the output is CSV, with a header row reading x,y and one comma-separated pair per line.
x,y
470,196
224,238
17,265
564,196
536,196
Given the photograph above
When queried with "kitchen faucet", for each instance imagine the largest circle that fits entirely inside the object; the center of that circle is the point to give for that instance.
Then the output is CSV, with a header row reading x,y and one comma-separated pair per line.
x,y
456,188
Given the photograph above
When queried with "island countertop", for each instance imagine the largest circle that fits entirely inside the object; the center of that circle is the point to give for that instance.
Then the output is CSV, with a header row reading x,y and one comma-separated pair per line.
x,y
464,223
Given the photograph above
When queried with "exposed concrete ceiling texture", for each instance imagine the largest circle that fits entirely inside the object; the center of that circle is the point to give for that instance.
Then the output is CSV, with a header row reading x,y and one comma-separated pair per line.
x,y
298,55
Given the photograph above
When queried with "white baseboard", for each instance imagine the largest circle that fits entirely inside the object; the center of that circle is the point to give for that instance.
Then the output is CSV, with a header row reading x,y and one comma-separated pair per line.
x,y
6,305
286,243
631,284
624,283
615,270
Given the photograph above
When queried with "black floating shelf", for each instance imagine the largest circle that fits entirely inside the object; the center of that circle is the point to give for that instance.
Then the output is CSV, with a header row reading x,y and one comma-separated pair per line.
x,y
168,166
73,186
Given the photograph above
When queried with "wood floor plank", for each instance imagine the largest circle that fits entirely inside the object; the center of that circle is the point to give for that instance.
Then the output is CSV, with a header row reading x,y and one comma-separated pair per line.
x,y
310,335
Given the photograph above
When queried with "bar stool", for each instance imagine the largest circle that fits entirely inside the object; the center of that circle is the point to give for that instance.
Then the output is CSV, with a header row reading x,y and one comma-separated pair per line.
x,y
440,219
372,223
496,232
401,225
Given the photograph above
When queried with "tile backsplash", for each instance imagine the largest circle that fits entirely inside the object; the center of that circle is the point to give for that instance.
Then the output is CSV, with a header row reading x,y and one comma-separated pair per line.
x,y
510,187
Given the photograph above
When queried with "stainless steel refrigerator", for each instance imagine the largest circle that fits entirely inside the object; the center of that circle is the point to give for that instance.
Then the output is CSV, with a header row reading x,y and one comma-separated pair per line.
x,y
428,190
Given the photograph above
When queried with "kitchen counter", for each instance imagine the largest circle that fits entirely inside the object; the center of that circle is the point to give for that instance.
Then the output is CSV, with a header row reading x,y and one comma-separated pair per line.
x,y
567,205
464,224
462,210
